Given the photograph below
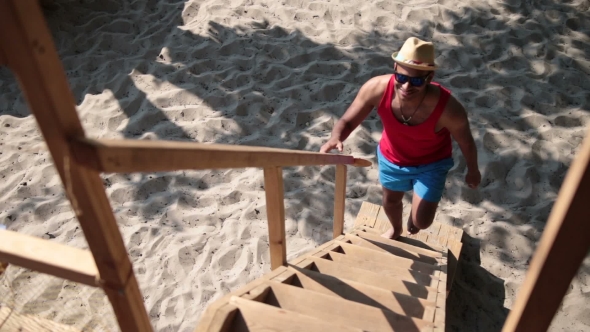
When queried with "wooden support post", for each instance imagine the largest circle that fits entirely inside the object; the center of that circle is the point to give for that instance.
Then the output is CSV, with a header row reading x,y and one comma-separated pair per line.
x,y
339,198
275,211
30,52
561,250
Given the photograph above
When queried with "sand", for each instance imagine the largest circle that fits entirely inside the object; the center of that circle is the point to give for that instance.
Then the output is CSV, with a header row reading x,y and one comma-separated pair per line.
x,y
280,74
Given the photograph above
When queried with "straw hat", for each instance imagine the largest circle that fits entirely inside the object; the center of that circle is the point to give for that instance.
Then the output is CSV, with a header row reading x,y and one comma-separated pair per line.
x,y
417,54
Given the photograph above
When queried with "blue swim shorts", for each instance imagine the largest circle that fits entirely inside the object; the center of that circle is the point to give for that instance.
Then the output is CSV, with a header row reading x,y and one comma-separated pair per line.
x,y
428,181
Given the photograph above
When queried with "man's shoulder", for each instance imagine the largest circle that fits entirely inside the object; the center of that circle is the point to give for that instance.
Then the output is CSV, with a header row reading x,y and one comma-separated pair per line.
x,y
374,88
379,82
454,110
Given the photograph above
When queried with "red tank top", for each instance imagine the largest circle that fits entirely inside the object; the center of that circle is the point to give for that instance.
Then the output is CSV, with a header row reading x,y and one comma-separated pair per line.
x,y
413,145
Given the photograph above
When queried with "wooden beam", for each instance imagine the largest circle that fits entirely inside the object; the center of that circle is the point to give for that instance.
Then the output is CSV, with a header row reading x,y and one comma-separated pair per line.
x,y
48,257
339,200
126,156
30,51
562,248
275,212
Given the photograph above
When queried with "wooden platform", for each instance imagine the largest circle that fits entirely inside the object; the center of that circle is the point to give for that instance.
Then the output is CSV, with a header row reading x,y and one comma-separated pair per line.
x,y
356,282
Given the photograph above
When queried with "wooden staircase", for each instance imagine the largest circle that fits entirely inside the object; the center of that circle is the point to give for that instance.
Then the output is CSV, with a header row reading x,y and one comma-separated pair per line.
x,y
356,282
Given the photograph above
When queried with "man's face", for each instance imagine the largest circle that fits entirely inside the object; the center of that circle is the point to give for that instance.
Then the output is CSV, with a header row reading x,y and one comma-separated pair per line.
x,y
406,90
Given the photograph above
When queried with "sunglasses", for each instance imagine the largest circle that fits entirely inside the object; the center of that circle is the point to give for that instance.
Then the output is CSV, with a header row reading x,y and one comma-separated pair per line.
x,y
415,81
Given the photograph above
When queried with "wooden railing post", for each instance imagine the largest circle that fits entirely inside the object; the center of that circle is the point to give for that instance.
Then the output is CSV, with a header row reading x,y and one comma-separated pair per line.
x,y
561,251
339,197
275,211
29,51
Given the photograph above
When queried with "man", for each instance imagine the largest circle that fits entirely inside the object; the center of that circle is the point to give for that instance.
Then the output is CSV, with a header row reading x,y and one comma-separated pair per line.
x,y
415,152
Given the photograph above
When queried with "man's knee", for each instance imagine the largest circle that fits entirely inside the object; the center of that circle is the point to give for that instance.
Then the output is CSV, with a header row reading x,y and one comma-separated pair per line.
x,y
422,223
392,199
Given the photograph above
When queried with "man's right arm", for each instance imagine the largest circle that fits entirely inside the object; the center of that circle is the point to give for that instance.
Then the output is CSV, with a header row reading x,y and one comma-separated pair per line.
x,y
367,98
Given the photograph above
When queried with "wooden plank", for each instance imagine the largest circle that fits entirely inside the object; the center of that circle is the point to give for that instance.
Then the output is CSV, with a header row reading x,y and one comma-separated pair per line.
x,y
339,198
360,252
215,315
376,266
335,309
370,278
263,317
48,257
441,300
443,234
361,293
367,215
126,156
382,223
420,240
456,234
11,321
328,246
30,51
433,229
453,260
398,244
275,211
396,251
223,318
561,250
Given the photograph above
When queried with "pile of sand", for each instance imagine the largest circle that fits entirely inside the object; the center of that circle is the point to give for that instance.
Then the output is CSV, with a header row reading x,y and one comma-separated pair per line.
x,y
279,74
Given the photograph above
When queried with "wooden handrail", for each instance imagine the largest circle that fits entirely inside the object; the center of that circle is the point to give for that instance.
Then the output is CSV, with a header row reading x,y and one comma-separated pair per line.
x,y
127,156
48,257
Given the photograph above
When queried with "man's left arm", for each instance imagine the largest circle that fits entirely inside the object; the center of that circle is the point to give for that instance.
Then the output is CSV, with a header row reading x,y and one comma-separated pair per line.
x,y
455,120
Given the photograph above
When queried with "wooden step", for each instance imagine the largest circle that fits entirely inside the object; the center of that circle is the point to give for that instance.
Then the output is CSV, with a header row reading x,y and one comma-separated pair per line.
x,y
374,265
363,253
254,316
398,244
386,248
360,293
358,281
338,309
370,278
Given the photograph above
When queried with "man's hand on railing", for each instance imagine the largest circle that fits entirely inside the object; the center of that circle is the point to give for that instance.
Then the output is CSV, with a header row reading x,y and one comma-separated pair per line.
x,y
333,143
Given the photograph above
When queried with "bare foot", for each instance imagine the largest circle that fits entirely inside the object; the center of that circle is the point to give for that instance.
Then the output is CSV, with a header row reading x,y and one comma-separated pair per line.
x,y
391,234
411,228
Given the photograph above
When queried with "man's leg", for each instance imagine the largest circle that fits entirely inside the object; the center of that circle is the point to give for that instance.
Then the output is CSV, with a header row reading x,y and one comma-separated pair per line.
x,y
422,214
428,189
393,206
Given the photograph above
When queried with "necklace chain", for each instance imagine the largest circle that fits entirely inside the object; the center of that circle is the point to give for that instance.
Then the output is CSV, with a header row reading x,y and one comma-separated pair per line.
x,y
401,111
